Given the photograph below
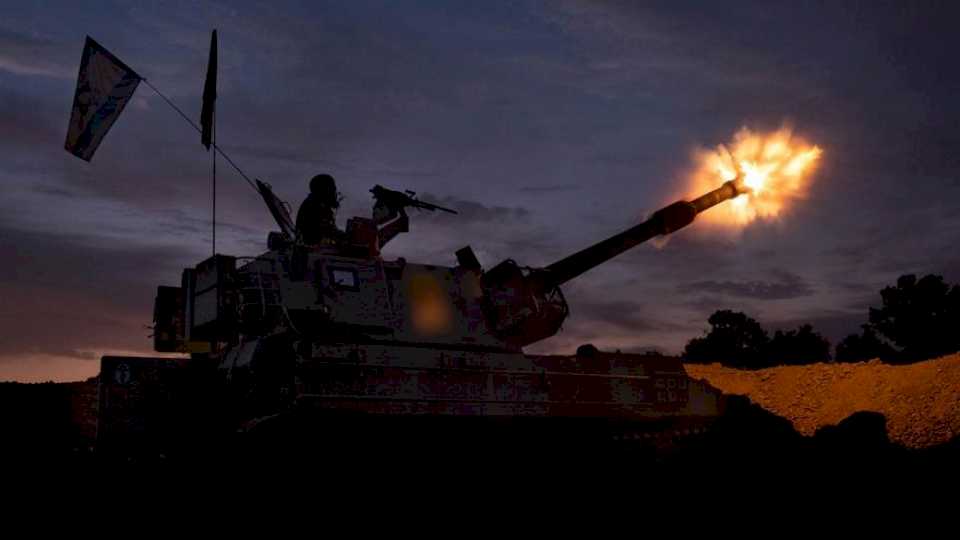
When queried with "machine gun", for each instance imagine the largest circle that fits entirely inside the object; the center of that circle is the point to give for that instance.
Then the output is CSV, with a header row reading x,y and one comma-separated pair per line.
x,y
399,200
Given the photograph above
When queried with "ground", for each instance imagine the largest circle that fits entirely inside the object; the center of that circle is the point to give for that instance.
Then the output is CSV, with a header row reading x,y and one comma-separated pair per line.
x,y
921,402
800,418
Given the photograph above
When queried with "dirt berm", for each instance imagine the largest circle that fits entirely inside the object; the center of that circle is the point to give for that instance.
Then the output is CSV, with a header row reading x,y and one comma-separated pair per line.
x,y
921,402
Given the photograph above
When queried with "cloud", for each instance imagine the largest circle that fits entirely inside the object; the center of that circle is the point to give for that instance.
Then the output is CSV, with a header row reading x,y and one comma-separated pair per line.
x,y
707,303
786,286
27,125
686,256
35,56
69,296
555,188
622,314
472,211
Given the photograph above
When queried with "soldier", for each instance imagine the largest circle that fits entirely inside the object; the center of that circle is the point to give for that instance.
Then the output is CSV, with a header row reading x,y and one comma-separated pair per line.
x,y
316,217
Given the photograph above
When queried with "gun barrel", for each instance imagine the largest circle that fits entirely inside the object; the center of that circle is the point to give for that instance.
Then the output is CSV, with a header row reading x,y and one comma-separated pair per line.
x,y
727,191
403,199
429,206
664,221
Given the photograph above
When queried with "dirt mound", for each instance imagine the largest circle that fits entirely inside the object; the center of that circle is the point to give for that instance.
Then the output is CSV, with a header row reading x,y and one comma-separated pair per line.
x,y
921,401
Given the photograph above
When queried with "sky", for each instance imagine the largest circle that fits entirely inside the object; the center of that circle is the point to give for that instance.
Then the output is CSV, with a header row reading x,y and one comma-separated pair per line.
x,y
549,125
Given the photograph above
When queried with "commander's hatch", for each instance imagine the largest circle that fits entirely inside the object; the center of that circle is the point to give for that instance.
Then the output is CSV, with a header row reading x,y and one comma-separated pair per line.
x,y
278,209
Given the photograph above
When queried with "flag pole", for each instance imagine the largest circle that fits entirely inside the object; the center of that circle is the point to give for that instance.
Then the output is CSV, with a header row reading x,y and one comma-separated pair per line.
x,y
208,128
214,133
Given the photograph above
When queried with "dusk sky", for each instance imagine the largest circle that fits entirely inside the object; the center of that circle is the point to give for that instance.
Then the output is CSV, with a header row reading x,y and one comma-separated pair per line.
x,y
549,125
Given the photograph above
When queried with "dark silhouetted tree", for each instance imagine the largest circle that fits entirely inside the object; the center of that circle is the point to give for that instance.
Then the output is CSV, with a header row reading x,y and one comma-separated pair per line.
x,y
864,346
800,346
734,340
921,317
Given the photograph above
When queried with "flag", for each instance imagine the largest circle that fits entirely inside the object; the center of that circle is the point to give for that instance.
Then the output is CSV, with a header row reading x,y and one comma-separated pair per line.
x,y
209,95
104,86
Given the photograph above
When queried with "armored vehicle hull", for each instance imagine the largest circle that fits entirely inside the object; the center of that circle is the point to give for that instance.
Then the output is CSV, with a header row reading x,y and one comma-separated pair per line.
x,y
367,394
322,341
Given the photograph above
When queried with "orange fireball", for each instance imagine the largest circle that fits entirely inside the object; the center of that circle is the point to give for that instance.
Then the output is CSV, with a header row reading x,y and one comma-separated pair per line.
x,y
774,167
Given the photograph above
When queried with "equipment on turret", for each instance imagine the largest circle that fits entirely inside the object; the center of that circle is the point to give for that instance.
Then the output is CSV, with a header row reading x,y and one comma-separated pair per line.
x,y
400,200
390,212
278,209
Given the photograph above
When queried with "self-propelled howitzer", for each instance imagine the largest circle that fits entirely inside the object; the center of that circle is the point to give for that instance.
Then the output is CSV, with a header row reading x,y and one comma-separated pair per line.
x,y
336,331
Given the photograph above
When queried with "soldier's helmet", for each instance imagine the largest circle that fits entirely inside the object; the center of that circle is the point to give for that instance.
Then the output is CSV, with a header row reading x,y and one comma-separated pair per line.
x,y
324,186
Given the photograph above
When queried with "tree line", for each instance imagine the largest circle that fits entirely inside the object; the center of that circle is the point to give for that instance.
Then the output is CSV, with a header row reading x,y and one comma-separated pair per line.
x,y
918,319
